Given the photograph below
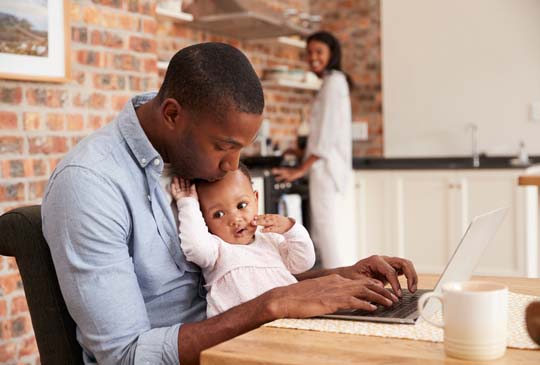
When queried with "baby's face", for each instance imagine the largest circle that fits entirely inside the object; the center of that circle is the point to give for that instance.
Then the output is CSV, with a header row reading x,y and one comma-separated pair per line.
x,y
229,206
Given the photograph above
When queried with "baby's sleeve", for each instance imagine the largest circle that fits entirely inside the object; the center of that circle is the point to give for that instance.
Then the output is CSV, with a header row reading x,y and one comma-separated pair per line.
x,y
199,245
297,250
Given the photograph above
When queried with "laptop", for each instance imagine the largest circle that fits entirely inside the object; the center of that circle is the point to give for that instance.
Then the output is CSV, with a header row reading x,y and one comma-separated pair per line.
x,y
477,237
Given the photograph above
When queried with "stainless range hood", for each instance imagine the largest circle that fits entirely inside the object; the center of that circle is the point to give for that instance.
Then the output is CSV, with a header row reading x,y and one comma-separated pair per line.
x,y
242,19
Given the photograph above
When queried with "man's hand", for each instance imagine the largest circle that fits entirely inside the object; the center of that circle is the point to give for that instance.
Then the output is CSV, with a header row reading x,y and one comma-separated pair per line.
x,y
329,294
273,223
385,269
182,188
304,299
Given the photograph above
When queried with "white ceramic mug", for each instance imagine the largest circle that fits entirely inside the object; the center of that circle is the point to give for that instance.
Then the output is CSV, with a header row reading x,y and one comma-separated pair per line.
x,y
475,315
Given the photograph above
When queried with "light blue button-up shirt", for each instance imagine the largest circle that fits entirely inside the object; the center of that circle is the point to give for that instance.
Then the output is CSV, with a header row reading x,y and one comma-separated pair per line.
x,y
115,247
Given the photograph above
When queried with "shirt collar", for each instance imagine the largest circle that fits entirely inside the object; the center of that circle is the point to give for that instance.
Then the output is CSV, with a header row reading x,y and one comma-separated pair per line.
x,y
133,134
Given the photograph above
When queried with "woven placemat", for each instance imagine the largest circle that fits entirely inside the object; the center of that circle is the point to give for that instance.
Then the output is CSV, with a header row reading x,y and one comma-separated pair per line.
x,y
423,331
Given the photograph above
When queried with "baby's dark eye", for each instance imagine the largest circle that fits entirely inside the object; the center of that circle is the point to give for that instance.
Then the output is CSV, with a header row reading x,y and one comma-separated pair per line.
x,y
242,205
218,214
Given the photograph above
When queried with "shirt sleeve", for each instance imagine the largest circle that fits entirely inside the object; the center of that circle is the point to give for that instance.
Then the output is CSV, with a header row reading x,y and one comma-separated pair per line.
x,y
297,250
330,116
199,245
87,226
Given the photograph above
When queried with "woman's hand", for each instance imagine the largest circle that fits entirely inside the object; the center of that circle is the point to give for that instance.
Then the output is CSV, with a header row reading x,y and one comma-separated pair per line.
x,y
288,174
182,188
385,269
273,223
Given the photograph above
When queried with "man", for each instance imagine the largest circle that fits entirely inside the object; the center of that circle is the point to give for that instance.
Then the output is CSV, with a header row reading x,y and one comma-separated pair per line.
x,y
113,237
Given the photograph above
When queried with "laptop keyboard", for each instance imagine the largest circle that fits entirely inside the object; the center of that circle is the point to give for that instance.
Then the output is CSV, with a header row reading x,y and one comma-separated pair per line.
x,y
406,306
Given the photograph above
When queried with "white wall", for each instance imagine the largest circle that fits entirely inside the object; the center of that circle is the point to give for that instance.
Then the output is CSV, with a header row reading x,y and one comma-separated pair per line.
x,y
447,63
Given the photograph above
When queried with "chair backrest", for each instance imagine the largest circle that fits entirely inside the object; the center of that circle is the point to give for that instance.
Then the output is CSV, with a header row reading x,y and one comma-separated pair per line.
x,y
21,237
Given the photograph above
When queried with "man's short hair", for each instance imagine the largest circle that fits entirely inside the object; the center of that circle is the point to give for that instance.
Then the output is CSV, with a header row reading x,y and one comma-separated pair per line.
x,y
213,77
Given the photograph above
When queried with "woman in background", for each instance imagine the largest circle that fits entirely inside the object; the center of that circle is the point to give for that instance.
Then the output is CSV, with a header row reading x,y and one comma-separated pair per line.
x,y
328,156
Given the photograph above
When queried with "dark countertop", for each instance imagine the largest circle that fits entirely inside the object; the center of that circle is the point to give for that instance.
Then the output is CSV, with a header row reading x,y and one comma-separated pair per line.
x,y
404,163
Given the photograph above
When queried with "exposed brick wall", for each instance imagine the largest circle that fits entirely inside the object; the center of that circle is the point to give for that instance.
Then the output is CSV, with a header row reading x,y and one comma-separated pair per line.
x,y
114,55
356,23
115,48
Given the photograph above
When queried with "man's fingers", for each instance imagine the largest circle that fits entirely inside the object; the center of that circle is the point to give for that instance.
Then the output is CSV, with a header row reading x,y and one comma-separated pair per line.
x,y
408,270
391,276
384,292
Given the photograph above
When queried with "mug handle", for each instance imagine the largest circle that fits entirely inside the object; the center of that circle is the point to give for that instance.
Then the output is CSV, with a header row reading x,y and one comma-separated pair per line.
x,y
422,304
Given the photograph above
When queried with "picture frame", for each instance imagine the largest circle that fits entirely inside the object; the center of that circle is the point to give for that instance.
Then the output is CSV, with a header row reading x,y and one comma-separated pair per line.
x,y
35,38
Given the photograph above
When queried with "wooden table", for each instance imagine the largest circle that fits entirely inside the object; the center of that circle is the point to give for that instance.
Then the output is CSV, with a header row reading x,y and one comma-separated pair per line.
x,y
269,345
529,180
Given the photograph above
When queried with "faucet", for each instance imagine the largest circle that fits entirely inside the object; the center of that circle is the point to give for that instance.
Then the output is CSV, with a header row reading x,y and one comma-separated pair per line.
x,y
474,141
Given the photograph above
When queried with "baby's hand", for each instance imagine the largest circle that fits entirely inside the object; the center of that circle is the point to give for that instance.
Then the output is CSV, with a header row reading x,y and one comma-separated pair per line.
x,y
182,188
273,223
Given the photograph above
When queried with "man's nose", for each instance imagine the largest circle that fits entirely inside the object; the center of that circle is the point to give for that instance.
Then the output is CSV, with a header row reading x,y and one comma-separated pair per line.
x,y
230,163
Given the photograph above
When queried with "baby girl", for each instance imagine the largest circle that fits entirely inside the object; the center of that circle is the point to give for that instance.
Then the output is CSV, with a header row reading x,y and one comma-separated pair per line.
x,y
218,224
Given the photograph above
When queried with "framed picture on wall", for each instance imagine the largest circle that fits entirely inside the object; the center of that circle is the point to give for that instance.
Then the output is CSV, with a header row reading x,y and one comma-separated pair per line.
x,y
35,40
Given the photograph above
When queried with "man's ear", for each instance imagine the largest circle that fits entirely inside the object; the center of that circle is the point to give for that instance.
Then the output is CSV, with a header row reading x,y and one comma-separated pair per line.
x,y
256,196
171,112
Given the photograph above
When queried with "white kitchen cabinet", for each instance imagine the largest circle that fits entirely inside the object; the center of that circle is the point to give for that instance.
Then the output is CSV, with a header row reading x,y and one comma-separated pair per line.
x,y
422,214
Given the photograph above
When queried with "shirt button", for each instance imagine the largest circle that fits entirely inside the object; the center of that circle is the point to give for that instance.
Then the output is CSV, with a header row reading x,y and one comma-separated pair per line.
x,y
156,161
143,160
149,198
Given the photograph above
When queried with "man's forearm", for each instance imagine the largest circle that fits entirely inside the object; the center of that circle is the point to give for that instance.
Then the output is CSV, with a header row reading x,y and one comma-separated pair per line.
x,y
193,338
312,274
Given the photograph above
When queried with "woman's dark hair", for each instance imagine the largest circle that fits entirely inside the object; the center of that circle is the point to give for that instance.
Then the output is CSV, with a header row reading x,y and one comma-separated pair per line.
x,y
334,63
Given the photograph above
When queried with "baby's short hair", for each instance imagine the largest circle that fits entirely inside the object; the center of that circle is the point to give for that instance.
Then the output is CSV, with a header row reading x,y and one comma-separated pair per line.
x,y
244,169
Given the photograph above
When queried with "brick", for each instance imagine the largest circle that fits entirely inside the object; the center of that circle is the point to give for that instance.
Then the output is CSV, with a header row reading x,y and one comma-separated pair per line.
x,y
53,98
36,167
15,168
36,189
148,26
125,62
142,6
118,102
150,65
55,121
8,120
19,305
3,306
79,34
28,347
90,58
78,76
19,327
10,283
143,45
53,162
94,122
47,145
109,82
75,122
75,140
75,14
106,39
97,101
5,330
12,192
12,264
10,95
11,144
31,121
113,3
8,352
137,83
